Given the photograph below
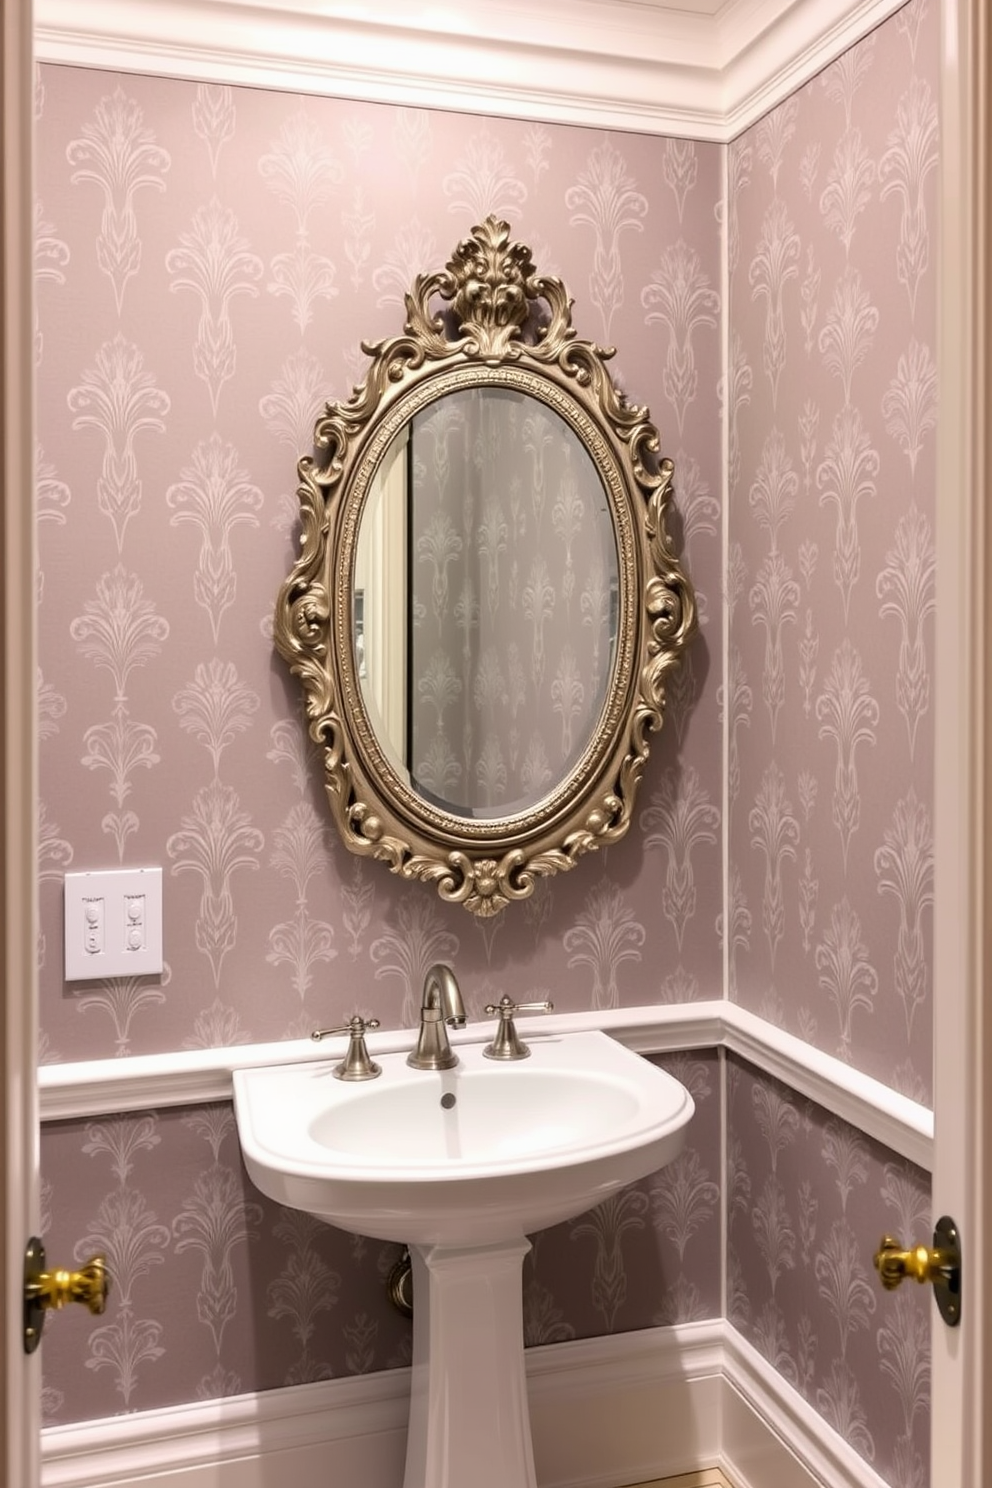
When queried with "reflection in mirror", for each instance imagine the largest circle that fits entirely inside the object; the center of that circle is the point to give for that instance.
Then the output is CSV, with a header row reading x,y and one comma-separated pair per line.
x,y
486,581
381,602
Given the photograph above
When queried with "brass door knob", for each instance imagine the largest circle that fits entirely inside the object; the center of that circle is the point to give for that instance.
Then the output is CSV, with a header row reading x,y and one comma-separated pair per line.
x,y
939,1264
49,1291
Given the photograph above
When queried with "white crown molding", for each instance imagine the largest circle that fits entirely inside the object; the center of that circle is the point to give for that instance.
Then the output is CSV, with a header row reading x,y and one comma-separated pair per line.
x,y
195,1077
763,69
616,64
631,1407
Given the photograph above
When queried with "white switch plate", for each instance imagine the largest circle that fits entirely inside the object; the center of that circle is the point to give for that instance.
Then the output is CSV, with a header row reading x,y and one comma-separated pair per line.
x,y
113,923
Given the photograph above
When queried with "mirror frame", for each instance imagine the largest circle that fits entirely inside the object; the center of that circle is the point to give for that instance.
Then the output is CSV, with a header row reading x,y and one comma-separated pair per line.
x,y
499,324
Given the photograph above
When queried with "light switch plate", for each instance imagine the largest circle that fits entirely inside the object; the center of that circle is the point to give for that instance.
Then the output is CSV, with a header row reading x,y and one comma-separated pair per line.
x,y
113,923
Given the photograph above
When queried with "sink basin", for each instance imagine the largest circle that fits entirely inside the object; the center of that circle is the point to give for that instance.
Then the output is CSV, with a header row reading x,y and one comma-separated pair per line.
x,y
480,1153
461,1165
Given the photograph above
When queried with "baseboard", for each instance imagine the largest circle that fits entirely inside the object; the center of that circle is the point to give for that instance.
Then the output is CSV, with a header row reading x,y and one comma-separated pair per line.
x,y
711,1477
793,1446
631,1409
348,1432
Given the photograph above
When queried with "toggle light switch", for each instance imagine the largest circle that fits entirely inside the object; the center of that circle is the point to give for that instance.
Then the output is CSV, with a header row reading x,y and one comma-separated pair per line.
x,y
134,922
113,923
93,926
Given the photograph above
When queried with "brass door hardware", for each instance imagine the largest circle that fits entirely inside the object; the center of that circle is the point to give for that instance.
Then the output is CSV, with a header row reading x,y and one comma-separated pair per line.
x,y
356,1064
940,1265
46,1291
506,1044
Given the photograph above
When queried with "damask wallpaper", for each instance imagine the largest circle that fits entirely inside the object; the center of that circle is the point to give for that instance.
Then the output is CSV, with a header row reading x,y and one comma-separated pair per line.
x,y
832,396
208,261
808,1199
832,399
217,1290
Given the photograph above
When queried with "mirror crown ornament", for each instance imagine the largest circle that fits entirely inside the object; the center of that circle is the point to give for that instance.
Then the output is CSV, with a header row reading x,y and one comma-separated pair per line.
x,y
501,324
494,292
492,287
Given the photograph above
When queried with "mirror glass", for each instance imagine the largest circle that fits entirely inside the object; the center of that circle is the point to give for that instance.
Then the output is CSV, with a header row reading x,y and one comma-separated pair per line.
x,y
485,601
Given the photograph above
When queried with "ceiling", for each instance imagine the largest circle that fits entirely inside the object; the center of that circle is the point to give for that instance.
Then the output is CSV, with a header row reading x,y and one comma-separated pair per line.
x,y
699,68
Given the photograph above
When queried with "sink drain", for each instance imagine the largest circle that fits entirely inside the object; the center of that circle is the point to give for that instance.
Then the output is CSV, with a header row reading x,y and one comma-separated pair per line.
x,y
447,1101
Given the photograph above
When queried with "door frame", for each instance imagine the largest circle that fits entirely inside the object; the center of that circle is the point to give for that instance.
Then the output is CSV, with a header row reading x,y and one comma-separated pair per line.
x,y
962,1358
20,1378
961,1445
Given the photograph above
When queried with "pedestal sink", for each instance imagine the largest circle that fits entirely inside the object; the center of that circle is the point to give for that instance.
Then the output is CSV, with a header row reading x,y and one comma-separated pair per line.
x,y
462,1165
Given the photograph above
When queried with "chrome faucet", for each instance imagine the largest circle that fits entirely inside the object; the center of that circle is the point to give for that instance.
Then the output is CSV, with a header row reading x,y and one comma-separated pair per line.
x,y
441,1004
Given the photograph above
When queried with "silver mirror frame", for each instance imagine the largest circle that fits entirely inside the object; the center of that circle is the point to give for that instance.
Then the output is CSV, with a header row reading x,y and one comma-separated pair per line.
x,y
500,324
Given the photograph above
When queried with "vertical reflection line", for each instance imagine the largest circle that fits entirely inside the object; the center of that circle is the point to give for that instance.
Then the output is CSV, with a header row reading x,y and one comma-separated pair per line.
x,y
726,414
407,518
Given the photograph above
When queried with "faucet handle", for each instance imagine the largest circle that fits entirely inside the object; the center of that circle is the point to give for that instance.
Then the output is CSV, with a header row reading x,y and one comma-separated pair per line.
x,y
506,1044
356,1064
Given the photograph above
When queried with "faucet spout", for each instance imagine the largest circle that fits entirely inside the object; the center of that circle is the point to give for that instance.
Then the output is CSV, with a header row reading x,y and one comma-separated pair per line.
x,y
442,992
440,1005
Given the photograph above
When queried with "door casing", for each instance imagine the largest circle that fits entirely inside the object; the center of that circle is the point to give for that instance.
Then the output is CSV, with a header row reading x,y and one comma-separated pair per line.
x,y
21,1379
961,1437
962,1367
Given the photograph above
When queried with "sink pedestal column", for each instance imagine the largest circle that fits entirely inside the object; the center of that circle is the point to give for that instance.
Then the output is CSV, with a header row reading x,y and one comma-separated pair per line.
x,y
469,1419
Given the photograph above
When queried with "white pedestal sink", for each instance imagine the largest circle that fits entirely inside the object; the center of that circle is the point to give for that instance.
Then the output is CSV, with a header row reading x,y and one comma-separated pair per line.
x,y
462,1165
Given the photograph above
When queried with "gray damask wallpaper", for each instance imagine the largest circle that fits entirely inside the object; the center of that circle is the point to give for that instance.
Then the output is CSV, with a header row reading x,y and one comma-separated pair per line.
x,y
217,1290
208,260
832,390
832,394
808,1199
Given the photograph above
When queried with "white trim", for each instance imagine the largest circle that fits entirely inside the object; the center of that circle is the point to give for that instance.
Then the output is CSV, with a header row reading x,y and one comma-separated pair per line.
x,y
350,1423
758,1390
725,711
194,1077
961,1363
656,68
901,1124
629,1408
724,1089
769,66
613,1410
726,415
20,1377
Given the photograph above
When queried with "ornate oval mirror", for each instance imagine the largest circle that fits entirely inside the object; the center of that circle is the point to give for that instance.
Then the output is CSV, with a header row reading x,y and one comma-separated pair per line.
x,y
486,603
